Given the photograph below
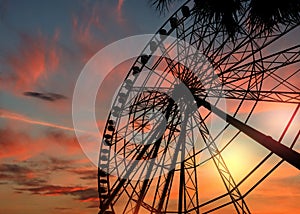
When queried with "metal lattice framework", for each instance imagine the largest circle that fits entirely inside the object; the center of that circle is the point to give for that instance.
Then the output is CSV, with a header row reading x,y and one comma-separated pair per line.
x,y
253,70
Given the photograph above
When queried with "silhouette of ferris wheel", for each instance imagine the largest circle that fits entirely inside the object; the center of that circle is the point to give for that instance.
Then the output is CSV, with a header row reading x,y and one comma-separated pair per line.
x,y
179,148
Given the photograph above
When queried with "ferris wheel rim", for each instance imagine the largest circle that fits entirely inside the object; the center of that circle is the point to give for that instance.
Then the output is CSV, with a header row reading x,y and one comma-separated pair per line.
x,y
147,46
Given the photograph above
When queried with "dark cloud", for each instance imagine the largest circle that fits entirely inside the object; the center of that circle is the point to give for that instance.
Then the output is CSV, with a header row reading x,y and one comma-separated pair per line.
x,y
85,174
14,168
45,96
33,174
33,177
31,181
55,164
19,175
80,193
90,194
59,136
62,208
4,176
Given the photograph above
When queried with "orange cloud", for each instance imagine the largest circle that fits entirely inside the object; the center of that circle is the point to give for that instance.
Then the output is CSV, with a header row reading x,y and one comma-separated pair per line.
x,y
278,194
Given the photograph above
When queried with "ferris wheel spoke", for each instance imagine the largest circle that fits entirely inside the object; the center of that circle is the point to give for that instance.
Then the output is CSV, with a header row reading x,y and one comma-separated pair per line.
x,y
237,81
180,146
121,185
147,182
164,182
122,181
252,68
265,65
133,154
234,64
289,155
243,52
251,172
266,96
237,198
271,80
138,121
136,193
264,70
281,90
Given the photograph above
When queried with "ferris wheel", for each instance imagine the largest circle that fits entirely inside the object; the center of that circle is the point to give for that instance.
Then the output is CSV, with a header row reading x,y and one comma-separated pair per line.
x,y
181,119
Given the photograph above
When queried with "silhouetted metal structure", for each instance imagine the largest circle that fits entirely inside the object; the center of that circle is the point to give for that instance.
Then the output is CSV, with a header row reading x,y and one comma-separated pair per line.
x,y
253,68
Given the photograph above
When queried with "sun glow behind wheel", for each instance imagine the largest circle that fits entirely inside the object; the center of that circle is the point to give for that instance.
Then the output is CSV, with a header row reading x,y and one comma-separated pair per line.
x,y
250,76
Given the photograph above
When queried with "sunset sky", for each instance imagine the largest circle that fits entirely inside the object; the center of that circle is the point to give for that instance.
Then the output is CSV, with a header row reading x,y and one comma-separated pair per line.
x,y
43,48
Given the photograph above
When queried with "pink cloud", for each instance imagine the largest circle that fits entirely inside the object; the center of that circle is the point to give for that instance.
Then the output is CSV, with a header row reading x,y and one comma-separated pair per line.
x,y
119,11
17,145
21,146
35,58
84,26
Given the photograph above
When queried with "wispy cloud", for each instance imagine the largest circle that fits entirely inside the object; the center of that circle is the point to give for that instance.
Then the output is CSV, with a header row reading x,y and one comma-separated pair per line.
x,y
35,57
22,118
119,10
86,24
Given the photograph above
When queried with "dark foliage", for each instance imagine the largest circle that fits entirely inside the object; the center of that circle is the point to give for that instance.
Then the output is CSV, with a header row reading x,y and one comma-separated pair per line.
x,y
268,14
263,16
